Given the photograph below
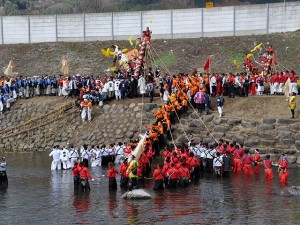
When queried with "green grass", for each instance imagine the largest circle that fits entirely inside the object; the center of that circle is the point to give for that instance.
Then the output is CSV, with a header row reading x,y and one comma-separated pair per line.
x,y
166,60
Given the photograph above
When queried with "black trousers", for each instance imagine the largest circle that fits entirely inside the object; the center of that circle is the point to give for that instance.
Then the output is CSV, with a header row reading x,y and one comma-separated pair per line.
x,y
84,185
3,180
124,182
76,183
159,185
112,184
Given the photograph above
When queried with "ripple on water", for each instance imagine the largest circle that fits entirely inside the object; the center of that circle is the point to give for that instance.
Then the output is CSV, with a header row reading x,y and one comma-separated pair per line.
x,y
38,196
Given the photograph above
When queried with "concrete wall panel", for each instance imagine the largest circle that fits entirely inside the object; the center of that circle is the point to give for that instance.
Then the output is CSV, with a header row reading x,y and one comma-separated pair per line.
x,y
246,21
284,18
98,26
42,29
70,27
218,21
15,29
127,23
187,21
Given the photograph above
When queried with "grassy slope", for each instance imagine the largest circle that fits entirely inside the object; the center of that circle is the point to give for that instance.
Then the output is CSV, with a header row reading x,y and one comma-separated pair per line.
x,y
86,58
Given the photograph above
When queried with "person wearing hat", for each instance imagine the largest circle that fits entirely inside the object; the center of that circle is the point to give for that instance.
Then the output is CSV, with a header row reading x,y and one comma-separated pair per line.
x,y
257,161
3,175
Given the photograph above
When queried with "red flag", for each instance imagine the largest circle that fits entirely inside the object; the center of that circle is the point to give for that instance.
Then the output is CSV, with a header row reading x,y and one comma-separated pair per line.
x,y
207,64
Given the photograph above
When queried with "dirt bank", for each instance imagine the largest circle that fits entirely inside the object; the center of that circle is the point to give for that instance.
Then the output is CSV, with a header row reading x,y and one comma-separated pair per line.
x,y
86,58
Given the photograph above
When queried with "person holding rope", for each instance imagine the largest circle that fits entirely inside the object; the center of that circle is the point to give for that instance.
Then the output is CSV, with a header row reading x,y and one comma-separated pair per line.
x,y
158,178
85,175
111,175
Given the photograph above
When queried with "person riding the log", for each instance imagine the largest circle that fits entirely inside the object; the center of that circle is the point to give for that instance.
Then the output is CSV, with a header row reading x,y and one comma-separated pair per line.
x,y
84,178
247,162
257,161
132,174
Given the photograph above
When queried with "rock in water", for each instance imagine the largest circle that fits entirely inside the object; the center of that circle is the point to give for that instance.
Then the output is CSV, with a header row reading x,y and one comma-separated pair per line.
x,y
136,194
293,190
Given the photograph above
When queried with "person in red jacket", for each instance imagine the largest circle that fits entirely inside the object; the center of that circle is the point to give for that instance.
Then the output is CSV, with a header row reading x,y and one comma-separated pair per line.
x,y
84,178
194,165
124,175
268,168
257,161
76,176
283,172
111,175
247,163
159,178
183,175
172,176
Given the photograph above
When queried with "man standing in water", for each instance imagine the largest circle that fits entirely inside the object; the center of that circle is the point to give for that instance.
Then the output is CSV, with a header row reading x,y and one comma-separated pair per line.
x,y
3,176
132,174
56,163
84,178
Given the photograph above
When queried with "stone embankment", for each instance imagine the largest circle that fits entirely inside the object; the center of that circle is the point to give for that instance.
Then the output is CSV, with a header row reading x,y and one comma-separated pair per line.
x,y
27,127
270,136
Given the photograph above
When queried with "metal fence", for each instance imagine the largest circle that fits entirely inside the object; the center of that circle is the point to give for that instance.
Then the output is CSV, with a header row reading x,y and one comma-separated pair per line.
x,y
182,23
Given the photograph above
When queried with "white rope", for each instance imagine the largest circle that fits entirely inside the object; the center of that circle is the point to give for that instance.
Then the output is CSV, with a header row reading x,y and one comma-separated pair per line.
x,y
173,141
189,102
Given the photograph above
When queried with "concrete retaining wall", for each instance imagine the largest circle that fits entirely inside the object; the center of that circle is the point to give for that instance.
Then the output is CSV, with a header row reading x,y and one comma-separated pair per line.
x,y
183,23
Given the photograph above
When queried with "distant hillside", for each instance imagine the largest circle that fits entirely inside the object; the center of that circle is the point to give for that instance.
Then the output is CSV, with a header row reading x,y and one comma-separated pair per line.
x,y
178,54
34,7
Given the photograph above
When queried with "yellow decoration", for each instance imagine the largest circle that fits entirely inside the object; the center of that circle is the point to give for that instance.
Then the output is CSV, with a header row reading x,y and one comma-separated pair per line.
x,y
112,68
107,53
130,39
137,42
124,50
209,4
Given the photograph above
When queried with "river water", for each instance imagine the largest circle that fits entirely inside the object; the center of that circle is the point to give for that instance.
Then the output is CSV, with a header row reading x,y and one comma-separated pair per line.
x,y
38,196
